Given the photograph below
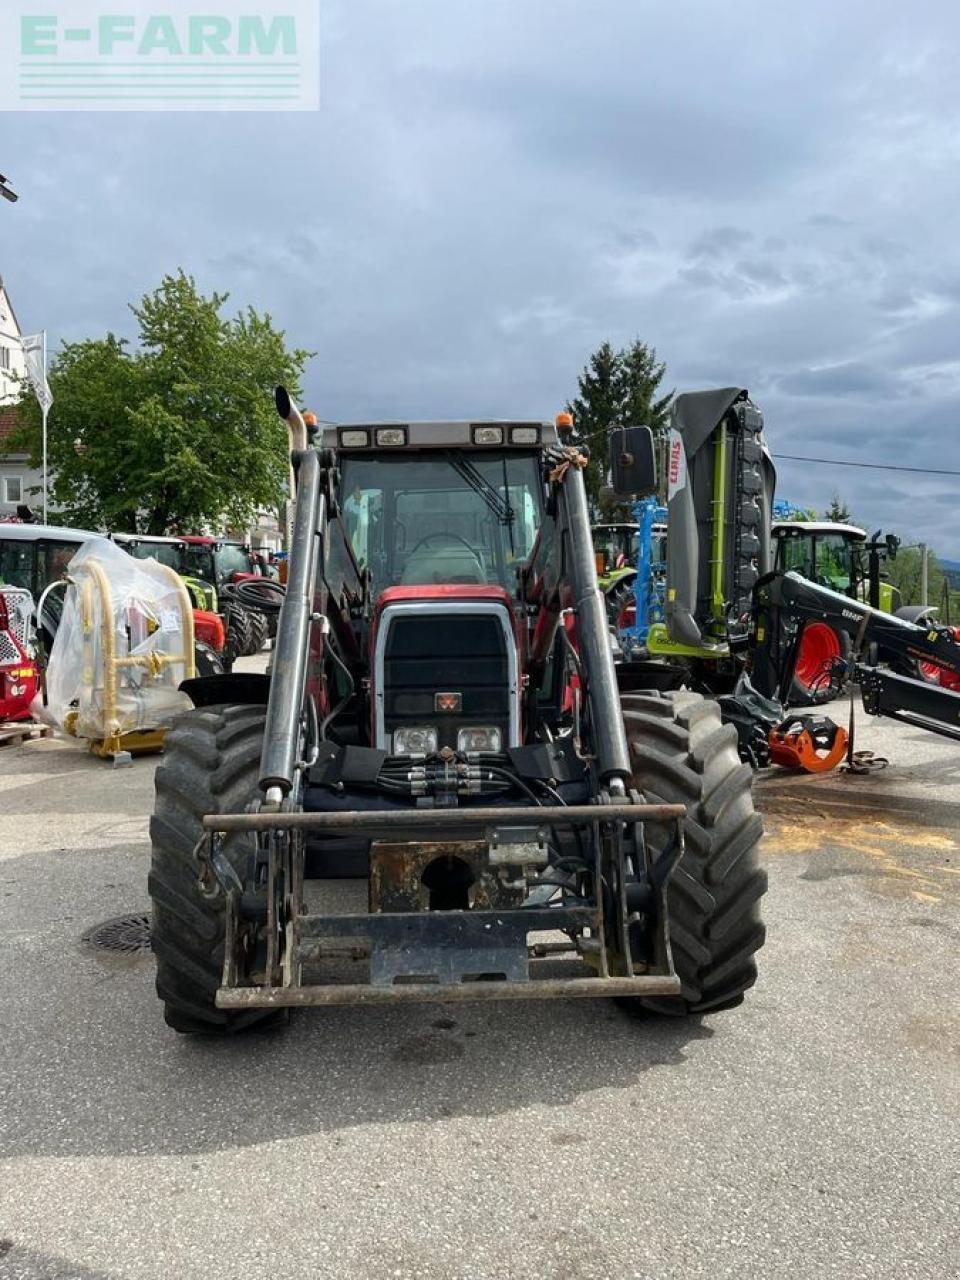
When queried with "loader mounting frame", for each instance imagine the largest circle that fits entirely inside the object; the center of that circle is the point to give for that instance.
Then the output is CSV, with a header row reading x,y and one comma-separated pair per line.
x,y
480,954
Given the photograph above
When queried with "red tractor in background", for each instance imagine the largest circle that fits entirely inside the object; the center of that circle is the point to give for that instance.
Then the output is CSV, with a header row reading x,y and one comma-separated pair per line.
x,y
19,676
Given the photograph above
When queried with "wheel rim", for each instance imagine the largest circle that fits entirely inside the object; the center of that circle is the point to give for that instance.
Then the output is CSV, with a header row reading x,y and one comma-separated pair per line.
x,y
819,646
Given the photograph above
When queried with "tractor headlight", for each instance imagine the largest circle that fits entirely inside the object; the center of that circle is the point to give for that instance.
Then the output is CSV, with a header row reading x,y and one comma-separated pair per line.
x,y
391,436
478,739
355,439
524,435
419,741
488,435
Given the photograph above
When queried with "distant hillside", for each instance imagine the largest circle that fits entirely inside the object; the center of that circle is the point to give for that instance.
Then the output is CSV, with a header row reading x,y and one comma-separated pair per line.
x,y
951,571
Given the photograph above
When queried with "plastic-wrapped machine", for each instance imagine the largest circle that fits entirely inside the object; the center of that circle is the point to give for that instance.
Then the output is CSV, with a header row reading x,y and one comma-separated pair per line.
x,y
124,644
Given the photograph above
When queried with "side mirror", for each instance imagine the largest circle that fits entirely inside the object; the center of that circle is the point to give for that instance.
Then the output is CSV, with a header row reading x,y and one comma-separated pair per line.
x,y
893,542
633,464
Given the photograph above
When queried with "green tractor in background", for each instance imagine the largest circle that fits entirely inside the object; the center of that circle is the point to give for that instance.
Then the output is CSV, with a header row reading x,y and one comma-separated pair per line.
x,y
221,564
839,556
225,626
615,550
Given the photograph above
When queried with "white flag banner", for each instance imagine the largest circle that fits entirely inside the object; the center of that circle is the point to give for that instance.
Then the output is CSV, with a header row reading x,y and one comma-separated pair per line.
x,y
36,373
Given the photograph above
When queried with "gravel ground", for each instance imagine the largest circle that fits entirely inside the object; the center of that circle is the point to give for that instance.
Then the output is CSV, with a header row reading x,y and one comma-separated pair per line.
x,y
813,1132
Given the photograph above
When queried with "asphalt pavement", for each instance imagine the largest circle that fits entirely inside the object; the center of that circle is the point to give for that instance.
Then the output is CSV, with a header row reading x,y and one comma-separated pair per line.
x,y
813,1132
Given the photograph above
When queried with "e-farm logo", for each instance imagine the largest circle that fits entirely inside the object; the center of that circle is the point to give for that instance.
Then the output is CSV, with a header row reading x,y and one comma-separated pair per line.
x,y
159,55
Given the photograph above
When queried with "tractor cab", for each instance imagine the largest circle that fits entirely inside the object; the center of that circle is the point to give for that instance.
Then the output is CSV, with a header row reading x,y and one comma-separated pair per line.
x,y
616,548
838,556
216,560
824,552
168,551
439,518
436,513
842,558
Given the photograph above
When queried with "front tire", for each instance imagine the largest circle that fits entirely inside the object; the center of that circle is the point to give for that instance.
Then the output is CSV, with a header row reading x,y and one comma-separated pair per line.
x,y
682,754
211,764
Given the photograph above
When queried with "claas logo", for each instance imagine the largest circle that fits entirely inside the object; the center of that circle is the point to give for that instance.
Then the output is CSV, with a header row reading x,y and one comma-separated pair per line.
x,y
675,448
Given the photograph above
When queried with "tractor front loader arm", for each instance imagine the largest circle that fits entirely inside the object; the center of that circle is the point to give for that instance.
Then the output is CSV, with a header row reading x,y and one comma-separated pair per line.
x,y
593,634
288,685
562,573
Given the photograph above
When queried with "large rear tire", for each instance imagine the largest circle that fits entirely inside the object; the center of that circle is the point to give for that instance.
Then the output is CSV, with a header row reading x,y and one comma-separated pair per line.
x,y
237,644
259,630
683,754
211,764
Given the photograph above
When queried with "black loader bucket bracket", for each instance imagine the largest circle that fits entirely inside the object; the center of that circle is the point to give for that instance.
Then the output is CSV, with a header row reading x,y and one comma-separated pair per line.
x,y
617,946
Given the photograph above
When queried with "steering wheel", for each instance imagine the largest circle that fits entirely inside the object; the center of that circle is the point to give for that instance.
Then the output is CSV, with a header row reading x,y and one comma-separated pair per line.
x,y
446,537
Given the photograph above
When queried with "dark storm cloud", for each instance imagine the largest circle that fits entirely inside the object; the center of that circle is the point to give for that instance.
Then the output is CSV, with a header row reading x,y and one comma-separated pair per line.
x,y
491,189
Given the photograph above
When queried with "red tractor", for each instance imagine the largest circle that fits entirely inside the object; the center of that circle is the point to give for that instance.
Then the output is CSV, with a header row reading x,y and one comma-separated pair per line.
x,y
442,722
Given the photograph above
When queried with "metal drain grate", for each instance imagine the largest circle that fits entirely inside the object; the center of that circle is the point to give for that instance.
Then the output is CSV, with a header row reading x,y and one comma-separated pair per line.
x,y
126,934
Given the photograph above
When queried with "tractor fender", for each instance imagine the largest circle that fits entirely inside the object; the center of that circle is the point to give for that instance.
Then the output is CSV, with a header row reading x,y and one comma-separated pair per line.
x,y
240,688
621,580
919,614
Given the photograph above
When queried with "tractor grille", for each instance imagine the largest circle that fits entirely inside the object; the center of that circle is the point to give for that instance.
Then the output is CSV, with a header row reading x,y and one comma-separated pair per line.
x,y
19,604
10,655
446,651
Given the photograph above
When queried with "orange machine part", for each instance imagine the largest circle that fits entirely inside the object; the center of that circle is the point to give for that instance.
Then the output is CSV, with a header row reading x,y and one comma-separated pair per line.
x,y
799,751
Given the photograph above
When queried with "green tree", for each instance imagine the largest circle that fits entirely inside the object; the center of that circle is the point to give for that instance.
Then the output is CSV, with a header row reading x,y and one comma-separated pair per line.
x,y
838,511
906,574
617,389
180,432
641,374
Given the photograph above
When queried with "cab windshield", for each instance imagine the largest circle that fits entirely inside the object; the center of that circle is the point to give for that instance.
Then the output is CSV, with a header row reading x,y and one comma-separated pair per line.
x,y
232,559
168,553
829,559
198,561
452,517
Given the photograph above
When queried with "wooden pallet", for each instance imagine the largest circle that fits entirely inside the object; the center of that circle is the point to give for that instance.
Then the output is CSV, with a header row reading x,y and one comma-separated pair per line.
x,y
17,732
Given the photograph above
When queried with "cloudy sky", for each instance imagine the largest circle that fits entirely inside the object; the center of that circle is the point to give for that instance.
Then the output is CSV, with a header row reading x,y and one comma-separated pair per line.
x,y
767,192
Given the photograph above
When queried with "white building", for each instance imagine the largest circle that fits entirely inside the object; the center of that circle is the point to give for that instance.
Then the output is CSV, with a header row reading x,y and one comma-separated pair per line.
x,y
16,478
